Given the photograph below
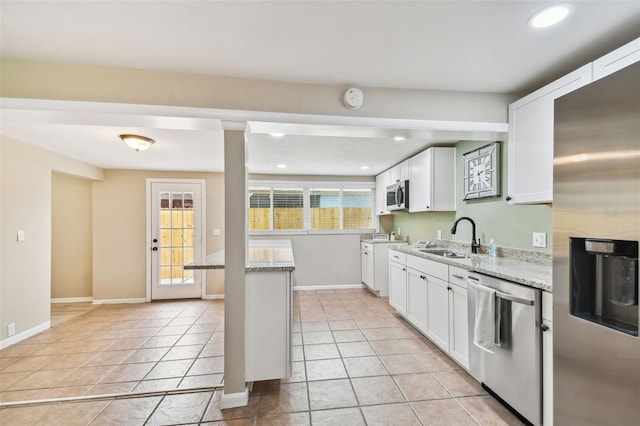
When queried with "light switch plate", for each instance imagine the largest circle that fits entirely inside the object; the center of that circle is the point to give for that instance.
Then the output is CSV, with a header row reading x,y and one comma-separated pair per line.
x,y
439,234
20,234
11,330
216,231
539,239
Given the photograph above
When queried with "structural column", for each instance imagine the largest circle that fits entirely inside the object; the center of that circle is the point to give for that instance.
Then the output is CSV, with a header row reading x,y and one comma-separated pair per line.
x,y
235,184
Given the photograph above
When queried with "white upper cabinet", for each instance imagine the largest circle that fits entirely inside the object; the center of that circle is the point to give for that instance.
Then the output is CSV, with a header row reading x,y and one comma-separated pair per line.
x,y
432,180
616,60
382,181
399,172
530,147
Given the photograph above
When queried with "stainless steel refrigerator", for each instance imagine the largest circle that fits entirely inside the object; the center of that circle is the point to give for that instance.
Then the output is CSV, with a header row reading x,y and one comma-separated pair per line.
x,y
596,229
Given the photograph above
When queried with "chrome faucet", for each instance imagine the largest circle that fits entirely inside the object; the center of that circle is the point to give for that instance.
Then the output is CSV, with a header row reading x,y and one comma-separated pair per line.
x,y
474,244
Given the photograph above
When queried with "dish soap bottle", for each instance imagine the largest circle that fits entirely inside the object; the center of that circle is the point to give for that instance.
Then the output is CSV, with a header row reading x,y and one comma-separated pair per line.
x,y
492,248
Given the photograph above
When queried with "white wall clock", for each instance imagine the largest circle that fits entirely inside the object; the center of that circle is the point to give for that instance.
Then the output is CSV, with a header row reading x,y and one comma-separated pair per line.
x,y
482,172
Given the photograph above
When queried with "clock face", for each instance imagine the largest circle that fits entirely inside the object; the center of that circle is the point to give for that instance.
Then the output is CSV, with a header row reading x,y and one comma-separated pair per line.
x,y
482,172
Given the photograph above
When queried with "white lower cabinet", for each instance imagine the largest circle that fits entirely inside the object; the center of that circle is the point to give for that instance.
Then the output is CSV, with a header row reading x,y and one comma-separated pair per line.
x,y
367,264
547,359
374,259
417,299
458,316
438,312
268,325
432,296
398,281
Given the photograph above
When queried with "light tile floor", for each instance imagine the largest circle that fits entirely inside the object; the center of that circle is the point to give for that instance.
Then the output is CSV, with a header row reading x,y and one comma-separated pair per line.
x,y
355,363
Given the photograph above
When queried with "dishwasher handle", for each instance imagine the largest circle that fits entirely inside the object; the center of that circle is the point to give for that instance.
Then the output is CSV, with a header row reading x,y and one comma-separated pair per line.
x,y
502,295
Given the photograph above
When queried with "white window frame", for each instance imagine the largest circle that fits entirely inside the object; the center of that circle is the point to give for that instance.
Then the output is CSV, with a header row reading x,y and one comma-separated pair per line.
x,y
307,186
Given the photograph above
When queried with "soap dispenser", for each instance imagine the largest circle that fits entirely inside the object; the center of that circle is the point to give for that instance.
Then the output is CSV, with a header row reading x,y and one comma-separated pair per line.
x,y
492,248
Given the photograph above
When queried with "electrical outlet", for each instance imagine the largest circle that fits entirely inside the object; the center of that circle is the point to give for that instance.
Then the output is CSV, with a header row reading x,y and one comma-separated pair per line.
x,y
439,234
399,231
539,239
11,330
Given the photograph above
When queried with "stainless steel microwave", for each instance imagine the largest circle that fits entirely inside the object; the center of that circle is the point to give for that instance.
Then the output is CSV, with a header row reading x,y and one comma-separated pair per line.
x,y
398,196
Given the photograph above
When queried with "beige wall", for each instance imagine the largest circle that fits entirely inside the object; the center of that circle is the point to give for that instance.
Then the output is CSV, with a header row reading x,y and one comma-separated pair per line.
x,y
25,285
71,242
119,231
26,79
324,260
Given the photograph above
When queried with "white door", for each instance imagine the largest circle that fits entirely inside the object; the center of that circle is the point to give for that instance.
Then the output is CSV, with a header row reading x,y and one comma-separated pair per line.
x,y
176,239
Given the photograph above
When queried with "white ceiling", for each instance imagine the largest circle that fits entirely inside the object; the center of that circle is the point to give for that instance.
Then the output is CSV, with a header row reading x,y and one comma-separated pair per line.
x,y
479,46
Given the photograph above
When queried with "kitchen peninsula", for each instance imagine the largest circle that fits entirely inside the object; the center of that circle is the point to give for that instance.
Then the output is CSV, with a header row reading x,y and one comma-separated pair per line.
x,y
268,306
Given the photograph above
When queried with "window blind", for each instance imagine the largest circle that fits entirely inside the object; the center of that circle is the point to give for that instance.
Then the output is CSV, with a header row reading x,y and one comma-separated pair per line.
x,y
308,208
288,209
325,210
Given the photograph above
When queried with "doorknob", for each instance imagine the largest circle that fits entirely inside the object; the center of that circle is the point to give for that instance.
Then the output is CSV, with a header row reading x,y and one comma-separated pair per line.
x,y
155,249
155,240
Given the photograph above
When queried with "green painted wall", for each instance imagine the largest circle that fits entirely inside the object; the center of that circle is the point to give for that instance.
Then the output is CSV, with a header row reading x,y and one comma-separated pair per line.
x,y
509,225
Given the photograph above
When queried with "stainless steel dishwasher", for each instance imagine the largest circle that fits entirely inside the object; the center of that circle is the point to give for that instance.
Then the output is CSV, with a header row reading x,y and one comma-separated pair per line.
x,y
512,372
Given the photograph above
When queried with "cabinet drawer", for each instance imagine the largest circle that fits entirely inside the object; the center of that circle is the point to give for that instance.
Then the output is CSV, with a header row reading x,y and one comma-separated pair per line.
x,y
366,246
547,306
436,269
458,276
396,256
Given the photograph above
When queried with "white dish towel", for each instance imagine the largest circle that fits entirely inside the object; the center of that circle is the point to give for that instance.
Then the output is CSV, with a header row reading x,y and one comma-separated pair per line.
x,y
484,331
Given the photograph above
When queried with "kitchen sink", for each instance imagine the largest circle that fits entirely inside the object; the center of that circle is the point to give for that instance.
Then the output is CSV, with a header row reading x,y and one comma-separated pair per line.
x,y
445,253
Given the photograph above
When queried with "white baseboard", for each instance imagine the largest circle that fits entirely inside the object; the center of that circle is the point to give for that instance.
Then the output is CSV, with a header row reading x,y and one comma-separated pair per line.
x,y
71,299
117,301
328,287
231,400
213,296
25,334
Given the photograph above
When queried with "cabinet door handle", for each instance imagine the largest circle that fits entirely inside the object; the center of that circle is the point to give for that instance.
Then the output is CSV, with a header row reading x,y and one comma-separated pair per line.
x,y
509,198
544,327
448,288
457,276
404,269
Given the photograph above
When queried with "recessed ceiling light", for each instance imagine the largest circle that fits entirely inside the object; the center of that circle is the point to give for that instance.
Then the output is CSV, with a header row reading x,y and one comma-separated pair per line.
x,y
365,167
398,138
549,16
281,166
277,134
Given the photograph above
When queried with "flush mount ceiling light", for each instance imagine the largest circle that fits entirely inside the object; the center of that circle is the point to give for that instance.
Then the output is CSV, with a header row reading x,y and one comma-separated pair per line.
x,y
137,142
281,166
365,167
277,134
398,138
549,16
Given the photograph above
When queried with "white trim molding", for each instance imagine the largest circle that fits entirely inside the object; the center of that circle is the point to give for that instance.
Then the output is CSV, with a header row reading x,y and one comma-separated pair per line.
x,y
72,299
213,296
231,400
327,287
25,334
117,301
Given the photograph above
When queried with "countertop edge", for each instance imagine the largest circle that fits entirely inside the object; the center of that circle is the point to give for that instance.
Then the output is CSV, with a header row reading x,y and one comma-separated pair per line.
x,y
538,283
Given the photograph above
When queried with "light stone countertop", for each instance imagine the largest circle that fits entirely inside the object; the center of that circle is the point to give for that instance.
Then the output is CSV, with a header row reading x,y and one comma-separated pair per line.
x,y
532,274
370,241
263,256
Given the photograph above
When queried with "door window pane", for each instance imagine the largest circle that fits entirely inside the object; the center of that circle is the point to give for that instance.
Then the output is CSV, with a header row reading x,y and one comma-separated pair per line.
x,y
177,238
